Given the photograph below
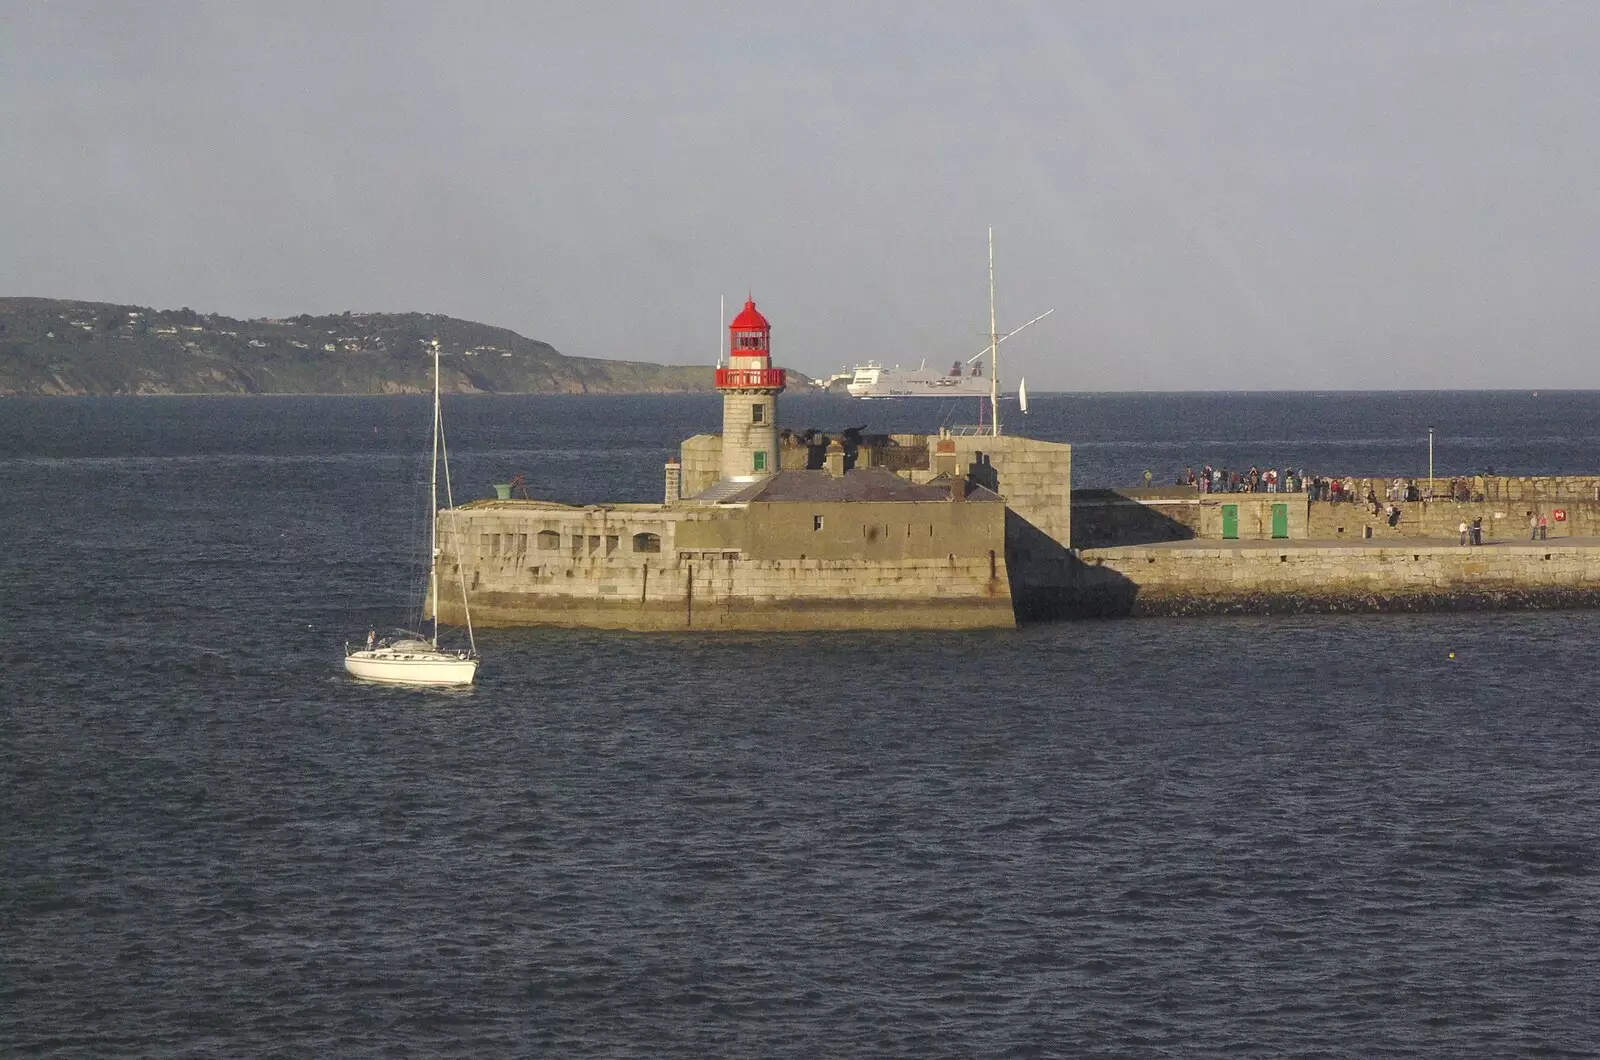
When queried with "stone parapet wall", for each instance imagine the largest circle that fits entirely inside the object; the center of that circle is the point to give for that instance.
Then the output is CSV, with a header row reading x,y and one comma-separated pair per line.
x,y
1108,518
701,457
1034,477
1327,521
1508,489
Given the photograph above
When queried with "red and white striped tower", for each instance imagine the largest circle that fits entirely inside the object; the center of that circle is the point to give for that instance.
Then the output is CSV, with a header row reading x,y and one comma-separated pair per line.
x,y
750,387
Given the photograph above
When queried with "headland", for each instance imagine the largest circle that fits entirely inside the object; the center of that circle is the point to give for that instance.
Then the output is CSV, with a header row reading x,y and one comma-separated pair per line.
x,y
52,347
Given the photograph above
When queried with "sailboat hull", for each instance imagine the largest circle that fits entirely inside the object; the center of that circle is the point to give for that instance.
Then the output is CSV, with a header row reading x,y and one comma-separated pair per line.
x,y
421,667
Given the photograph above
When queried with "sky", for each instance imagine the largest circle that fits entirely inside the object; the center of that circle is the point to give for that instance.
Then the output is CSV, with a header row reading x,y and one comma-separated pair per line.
x,y
1229,195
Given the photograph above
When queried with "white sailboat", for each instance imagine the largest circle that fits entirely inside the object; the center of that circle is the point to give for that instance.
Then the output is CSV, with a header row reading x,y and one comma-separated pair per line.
x,y
412,659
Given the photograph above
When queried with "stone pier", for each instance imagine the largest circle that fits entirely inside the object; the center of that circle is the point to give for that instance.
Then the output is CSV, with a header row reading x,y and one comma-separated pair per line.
x,y
1265,577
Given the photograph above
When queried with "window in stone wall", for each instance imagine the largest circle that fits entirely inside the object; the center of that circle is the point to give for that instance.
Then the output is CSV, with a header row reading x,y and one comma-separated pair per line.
x,y
611,543
758,413
522,544
761,460
594,543
816,522
647,542
549,540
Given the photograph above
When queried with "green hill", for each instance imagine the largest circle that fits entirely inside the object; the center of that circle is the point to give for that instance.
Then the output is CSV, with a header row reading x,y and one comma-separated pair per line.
x,y
54,346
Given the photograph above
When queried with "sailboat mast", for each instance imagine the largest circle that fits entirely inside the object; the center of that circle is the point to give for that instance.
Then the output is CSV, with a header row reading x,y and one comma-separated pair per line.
x,y
994,347
433,499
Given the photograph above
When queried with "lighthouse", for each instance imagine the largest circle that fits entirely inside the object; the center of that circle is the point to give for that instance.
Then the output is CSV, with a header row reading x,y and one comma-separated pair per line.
x,y
750,387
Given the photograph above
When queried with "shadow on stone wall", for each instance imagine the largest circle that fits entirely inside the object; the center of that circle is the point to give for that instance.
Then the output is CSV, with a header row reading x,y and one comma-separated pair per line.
x,y
1050,583
982,472
1106,518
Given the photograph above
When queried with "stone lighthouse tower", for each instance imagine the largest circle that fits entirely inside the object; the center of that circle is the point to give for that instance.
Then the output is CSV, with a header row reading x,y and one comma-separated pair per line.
x,y
750,387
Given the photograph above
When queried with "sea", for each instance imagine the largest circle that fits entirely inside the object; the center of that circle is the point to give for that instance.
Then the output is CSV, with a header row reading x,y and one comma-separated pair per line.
x,y
1310,836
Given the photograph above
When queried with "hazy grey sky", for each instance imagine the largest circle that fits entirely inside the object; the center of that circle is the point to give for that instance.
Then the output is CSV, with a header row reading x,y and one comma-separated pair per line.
x,y
1235,195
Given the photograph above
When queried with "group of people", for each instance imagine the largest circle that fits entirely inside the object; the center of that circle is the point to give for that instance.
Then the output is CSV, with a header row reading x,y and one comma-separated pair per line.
x,y
1295,480
1538,530
1256,480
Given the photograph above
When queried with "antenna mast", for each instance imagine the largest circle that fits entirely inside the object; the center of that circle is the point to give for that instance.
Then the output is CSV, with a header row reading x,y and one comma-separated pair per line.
x,y
433,500
994,347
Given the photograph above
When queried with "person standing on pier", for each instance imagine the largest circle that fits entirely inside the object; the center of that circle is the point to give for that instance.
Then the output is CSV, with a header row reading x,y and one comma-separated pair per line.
x,y
1463,531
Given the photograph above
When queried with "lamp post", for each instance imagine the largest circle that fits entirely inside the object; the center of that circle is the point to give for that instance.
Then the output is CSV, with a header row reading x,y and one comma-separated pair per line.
x,y
1430,463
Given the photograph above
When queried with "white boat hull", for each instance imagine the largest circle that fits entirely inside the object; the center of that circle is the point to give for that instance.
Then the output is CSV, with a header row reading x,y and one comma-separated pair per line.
x,y
411,667
872,380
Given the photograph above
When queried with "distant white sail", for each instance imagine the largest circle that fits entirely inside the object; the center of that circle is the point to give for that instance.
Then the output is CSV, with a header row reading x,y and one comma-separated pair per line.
x,y
1022,395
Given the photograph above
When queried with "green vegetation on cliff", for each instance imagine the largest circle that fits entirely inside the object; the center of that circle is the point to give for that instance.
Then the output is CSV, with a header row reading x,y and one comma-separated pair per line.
x,y
53,346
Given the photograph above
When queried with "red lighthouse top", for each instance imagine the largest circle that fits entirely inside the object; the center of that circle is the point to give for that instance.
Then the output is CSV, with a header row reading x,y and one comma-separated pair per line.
x,y
750,318
750,353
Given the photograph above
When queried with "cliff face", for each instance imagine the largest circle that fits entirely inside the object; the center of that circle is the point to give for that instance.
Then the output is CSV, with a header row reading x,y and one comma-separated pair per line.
x,y
52,346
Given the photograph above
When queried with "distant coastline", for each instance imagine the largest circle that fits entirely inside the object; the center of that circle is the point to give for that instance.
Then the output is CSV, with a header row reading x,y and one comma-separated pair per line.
x,y
52,347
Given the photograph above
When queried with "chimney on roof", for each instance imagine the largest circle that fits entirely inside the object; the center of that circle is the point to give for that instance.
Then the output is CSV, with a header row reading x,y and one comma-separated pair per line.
x,y
958,489
674,489
833,461
944,456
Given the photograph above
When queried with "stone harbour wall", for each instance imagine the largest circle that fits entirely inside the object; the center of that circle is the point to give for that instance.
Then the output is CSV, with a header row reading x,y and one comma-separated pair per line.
x,y
655,567
716,593
1194,579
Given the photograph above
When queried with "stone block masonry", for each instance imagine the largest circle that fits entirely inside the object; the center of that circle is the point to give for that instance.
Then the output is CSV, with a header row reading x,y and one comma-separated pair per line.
x,y
728,567
1034,477
1266,577
1503,506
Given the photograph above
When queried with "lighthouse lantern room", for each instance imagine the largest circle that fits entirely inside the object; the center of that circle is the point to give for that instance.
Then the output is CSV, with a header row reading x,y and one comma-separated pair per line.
x,y
750,387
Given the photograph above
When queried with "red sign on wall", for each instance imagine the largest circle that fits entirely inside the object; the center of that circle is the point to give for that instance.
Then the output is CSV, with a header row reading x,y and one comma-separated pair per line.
x,y
1560,515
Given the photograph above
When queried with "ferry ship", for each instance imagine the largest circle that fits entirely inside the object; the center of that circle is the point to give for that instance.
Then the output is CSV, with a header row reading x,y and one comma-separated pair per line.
x,y
873,380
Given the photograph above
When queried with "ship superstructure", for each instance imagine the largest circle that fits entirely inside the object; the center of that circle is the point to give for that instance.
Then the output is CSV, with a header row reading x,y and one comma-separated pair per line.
x,y
873,380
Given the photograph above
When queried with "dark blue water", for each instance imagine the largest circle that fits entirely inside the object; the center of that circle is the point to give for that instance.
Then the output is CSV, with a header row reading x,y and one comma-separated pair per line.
x,y
1316,836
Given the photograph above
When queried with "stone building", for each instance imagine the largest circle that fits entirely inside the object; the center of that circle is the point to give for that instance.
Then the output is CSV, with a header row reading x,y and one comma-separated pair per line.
x,y
763,528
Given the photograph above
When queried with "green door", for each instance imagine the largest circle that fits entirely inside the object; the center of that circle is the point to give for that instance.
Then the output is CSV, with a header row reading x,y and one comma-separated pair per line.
x,y
1230,522
1280,520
